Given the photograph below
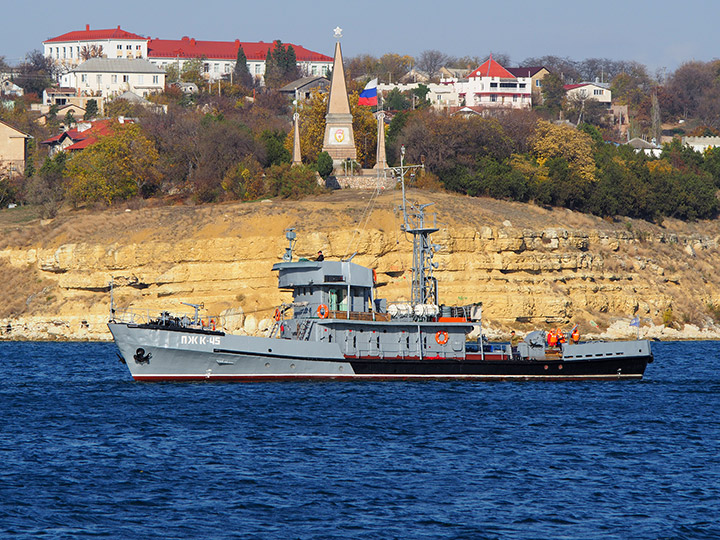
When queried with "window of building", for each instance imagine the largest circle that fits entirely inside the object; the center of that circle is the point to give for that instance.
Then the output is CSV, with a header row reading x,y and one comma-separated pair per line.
x,y
206,68
156,79
313,70
598,92
515,97
129,47
113,79
71,52
257,69
493,85
141,79
126,78
137,47
493,97
216,68
83,78
538,83
119,47
98,79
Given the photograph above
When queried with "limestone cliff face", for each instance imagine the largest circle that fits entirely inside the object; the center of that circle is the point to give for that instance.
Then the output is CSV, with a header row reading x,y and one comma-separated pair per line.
x,y
537,270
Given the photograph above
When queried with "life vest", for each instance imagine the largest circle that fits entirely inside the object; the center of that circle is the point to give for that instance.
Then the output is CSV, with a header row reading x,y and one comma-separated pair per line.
x,y
552,338
575,335
560,336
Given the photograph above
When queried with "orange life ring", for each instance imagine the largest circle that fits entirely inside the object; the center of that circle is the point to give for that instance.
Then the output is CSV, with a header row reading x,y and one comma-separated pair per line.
x,y
441,337
278,314
374,276
323,311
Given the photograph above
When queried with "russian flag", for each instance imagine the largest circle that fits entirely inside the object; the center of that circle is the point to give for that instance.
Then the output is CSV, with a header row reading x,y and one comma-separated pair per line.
x,y
369,94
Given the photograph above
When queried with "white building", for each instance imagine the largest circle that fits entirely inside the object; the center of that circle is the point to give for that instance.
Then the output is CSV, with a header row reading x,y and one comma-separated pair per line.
x,y
488,86
587,90
218,57
493,86
68,50
111,77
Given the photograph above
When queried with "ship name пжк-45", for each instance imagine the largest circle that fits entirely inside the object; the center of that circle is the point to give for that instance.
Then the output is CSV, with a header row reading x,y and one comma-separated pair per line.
x,y
335,328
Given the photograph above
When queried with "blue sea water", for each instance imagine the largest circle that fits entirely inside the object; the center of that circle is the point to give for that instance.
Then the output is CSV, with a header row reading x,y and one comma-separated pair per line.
x,y
85,452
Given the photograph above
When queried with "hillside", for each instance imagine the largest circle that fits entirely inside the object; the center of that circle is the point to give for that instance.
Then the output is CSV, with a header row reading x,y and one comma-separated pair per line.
x,y
530,266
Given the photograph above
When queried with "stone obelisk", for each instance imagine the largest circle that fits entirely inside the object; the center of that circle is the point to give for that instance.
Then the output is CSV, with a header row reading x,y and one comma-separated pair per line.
x,y
381,159
339,140
296,157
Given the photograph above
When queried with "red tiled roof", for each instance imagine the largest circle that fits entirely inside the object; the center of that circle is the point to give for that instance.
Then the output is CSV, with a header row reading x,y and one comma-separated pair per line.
x,y
491,69
83,139
227,50
94,35
572,86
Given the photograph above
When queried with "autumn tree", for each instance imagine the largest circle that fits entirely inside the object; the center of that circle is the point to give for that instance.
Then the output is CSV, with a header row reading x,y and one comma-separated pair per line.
x,y
553,141
118,166
392,67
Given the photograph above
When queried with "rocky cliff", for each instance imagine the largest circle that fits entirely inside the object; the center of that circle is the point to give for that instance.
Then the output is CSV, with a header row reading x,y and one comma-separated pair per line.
x,y
531,267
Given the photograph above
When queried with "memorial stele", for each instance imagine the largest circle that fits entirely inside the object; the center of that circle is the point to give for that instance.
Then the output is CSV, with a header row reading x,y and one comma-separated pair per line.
x,y
339,140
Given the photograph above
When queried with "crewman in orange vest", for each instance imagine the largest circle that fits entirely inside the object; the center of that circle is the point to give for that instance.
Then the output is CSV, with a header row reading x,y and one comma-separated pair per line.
x,y
552,338
560,336
575,335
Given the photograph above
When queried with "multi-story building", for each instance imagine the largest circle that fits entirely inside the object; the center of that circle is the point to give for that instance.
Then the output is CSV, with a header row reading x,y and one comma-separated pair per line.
x,y
493,86
73,48
108,77
218,57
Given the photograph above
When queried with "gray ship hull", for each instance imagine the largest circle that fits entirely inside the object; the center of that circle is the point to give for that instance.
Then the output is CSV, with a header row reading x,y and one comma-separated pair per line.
x,y
157,354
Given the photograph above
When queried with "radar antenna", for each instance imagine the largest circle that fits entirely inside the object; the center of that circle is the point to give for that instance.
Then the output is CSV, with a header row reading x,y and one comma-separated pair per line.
x,y
424,285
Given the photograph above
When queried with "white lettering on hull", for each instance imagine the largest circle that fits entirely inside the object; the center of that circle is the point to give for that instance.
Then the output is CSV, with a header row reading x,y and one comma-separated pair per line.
x,y
199,340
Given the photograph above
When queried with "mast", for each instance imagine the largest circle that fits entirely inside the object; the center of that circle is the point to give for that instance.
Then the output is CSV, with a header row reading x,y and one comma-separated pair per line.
x,y
424,285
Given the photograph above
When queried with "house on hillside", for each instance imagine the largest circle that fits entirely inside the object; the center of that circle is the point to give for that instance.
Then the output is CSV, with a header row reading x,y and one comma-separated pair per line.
x,y
9,89
588,90
111,77
13,150
70,49
536,75
303,87
77,112
493,86
83,135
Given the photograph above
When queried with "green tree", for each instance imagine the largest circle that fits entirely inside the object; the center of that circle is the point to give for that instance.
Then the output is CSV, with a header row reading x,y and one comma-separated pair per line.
x,y
395,100
192,71
324,164
275,150
553,91
46,188
280,65
91,109
241,73
119,166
